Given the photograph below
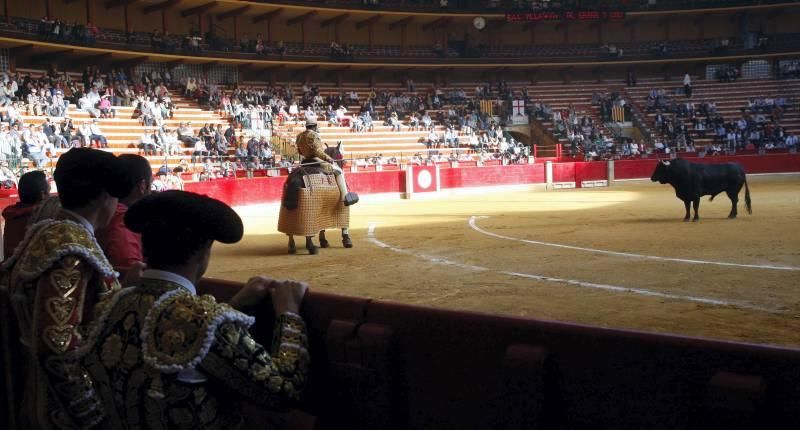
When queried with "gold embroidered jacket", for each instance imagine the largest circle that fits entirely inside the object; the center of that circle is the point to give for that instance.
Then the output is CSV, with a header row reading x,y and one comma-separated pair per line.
x,y
57,279
310,146
165,358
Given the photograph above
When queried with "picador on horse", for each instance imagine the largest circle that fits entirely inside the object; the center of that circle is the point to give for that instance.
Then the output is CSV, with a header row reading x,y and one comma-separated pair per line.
x,y
315,195
310,146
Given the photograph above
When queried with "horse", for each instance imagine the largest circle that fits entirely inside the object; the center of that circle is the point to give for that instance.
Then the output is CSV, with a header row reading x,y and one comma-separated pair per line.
x,y
315,189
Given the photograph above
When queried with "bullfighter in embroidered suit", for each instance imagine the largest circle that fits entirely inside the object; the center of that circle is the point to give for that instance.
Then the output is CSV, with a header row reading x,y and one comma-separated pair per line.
x,y
164,357
58,278
310,146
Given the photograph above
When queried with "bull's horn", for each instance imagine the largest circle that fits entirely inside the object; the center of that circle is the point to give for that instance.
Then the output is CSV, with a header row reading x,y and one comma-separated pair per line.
x,y
666,163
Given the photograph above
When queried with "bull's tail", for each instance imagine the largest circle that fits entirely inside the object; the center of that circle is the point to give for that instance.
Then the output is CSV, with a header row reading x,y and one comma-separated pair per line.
x,y
747,202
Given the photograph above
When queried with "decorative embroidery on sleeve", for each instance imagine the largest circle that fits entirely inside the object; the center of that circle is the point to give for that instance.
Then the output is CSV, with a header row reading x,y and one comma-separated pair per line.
x,y
179,329
270,379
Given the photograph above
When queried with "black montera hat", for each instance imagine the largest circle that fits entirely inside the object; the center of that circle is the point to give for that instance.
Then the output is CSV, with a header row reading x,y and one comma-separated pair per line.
x,y
91,171
172,213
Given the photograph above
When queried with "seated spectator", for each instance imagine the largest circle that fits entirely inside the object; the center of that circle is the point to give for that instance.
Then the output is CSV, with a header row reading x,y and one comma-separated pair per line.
x,y
413,121
186,134
199,151
366,120
105,108
394,121
53,136
33,187
438,49
147,143
97,134
85,103
427,122
451,138
36,145
432,140
261,47
91,33
122,246
280,48
791,141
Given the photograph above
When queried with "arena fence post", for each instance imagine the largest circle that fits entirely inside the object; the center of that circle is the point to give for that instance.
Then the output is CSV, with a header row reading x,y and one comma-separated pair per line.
x,y
610,173
548,175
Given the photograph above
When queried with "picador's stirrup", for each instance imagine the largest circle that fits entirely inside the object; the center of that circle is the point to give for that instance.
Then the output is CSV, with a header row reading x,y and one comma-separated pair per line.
x,y
350,199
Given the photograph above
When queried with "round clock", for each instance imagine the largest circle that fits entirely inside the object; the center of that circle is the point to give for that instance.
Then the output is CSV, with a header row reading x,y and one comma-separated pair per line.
x,y
479,22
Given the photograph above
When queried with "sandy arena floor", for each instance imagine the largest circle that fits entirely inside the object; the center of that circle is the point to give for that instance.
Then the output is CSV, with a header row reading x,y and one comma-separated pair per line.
x,y
613,257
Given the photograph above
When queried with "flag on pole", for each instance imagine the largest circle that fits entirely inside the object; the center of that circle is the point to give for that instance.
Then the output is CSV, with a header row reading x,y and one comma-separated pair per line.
x,y
487,106
519,107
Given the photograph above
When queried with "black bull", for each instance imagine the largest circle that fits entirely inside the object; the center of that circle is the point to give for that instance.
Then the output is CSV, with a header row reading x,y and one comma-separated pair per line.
x,y
692,181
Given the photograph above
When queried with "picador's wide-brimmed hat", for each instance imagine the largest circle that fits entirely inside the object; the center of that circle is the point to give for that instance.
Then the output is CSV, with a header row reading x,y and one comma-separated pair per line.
x,y
175,213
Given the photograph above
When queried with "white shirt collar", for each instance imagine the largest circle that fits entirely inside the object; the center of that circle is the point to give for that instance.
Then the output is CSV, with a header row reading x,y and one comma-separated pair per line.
x,y
83,221
169,277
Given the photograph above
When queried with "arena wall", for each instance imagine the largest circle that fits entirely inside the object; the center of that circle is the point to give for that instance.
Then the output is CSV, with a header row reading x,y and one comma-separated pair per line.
x,y
238,192
379,364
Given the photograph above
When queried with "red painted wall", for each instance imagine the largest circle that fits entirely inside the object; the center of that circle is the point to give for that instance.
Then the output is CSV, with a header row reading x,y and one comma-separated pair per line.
x,y
592,171
393,181
460,177
563,172
237,192
768,163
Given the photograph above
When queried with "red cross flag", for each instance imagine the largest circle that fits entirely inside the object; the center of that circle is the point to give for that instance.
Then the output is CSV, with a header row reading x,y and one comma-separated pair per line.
x,y
519,107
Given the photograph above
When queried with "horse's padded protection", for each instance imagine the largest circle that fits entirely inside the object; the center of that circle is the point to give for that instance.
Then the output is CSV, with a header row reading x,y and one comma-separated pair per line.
x,y
319,207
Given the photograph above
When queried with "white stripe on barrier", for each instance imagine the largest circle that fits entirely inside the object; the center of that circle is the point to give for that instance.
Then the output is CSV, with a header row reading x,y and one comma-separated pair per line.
x,y
474,225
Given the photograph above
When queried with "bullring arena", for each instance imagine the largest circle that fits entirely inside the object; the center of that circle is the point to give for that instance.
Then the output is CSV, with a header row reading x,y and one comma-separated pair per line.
x,y
512,265
614,257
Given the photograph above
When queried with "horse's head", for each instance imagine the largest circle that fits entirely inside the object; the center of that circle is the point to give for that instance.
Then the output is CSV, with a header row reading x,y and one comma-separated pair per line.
x,y
336,152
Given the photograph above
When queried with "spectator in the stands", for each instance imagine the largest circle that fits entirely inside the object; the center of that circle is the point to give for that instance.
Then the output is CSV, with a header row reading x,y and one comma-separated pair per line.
x,y
199,151
244,43
9,147
7,93
280,48
438,49
106,111
51,131
33,187
91,33
394,121
261,47
687,85
147,142
97,134
432,139
35,145
122,246
220,147
86,104
791,141
186,134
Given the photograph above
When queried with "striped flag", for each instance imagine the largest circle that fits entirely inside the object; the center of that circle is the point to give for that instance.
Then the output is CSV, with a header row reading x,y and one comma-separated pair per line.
x,y
487,106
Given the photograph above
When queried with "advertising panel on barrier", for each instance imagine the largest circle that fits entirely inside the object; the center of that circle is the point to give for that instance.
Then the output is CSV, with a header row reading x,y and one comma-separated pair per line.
x,y
422,179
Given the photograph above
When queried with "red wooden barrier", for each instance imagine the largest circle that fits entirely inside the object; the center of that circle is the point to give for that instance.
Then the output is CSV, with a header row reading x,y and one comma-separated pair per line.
x,y
767,163
491,175
268,189
590,171
400,366
563,172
